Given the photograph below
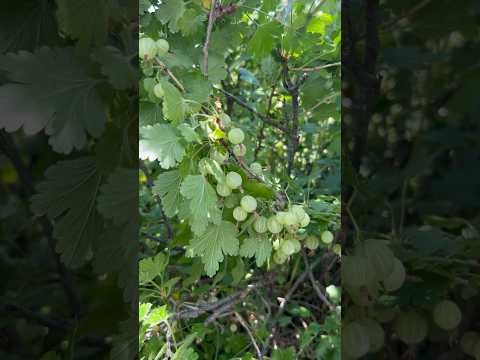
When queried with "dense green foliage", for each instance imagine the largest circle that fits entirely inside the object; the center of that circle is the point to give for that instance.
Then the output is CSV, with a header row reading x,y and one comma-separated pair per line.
x,y
411,175
69,184
240,149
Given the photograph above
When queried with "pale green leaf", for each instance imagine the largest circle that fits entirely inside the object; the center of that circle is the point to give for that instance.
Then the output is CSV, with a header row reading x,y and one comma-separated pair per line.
x,y
260,248
67,197
160,142
173,103
218,240
189,133
151,267
203,205
167,185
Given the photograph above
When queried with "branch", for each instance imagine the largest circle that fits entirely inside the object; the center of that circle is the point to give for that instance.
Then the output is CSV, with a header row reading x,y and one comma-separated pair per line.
x,y
316,68
245,326
264,118
164,67
211,20
309,271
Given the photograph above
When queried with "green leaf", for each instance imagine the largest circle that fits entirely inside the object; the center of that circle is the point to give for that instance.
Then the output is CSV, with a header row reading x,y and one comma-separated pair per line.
x,y
167,185
189,133
215,169
120,246
151,267
218,239
170,11
125,342
260,248
67,197
143,310
319,23
116,67
190,22
27,25
283,354
60,99
263,41
118,196
157,315
216,67
203,205
150,113
160,142
173,103
85,20
258,189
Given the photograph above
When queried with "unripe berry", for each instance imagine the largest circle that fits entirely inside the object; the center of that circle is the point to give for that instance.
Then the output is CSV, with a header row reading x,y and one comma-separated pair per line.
x,y
158,91
299,212
219,157
239,150
305,221
223,190
225,120
233,328
333,292
447,315
256,168
162,46
327,237
147,48
260,225
290,218
233,180
288,247
273,225
236,136
248,203
395,280
296,245
239,214
279,257
281,217
311,242
202,167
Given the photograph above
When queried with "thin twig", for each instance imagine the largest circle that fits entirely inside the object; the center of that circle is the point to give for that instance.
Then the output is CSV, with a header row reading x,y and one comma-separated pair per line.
x,y
211,20
320,294
316,68
164,67
245,326
264,118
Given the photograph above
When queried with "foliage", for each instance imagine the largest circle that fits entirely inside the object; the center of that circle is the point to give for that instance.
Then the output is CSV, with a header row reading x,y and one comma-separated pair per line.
x,y
69,184
412,175
240,149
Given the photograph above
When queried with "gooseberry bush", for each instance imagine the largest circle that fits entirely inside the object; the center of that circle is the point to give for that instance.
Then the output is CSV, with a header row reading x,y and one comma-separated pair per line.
x,y
410,263
240,179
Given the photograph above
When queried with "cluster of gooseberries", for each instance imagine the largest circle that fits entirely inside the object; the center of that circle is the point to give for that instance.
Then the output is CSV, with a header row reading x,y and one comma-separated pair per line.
x,y
370,270
148,50
283,226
